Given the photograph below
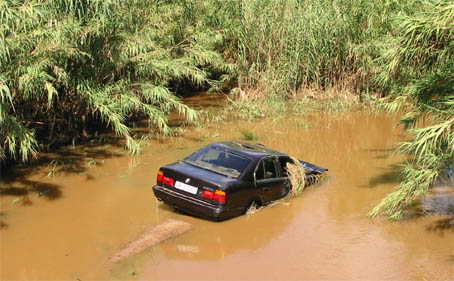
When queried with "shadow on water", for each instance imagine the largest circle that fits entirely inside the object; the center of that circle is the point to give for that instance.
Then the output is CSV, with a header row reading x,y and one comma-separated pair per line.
x,y
451,258
382,153
24,187
26,181
390,175
88,154
2,223
436,202
439,201
442,226
22,182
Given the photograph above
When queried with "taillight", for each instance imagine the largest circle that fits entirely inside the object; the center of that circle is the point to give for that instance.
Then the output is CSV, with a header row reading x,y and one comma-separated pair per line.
x,y
160,176
168,181
218,195
161,179
208,194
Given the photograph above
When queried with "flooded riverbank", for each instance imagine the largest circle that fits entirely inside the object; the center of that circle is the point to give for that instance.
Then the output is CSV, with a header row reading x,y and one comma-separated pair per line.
x,y
104,200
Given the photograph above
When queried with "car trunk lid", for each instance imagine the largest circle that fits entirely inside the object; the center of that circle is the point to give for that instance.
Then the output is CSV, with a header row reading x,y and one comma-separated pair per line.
x,y
197,182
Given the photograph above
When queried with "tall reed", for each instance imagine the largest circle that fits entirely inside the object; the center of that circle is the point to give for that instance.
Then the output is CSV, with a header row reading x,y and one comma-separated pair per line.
x,y
70,69
418,70
287,45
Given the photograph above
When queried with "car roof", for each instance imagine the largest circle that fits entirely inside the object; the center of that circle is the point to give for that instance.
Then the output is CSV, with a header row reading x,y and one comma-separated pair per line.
x,y
248,150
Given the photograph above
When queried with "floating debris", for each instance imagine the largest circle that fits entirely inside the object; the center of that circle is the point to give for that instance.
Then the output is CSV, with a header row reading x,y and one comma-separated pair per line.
x,y
166,230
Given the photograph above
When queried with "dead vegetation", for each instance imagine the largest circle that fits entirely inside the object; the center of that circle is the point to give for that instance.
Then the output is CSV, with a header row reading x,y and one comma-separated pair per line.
x,y
157,234
297,176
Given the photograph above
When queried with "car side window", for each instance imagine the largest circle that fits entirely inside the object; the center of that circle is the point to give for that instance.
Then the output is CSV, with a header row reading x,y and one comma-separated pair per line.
x,y
259,172
270,168
266,169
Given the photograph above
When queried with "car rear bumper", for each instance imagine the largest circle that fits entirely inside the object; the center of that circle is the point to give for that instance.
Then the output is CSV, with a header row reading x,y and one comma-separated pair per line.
x,y
194,206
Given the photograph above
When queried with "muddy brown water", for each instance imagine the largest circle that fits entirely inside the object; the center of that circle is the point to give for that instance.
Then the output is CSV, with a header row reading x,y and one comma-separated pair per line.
x,y
70,224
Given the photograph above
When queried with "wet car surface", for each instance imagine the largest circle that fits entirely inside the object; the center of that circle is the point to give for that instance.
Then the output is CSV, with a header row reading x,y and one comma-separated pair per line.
x,y
224,179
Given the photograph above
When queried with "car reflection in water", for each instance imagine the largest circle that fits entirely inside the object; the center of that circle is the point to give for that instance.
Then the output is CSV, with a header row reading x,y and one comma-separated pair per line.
x,y
214,241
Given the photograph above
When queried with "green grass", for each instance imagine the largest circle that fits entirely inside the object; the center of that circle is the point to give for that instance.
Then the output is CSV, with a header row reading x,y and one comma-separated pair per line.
x,y
249,136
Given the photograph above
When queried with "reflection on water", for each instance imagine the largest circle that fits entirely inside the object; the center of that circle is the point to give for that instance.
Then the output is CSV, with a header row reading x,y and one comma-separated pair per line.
x,y
218,238
324,234
440,201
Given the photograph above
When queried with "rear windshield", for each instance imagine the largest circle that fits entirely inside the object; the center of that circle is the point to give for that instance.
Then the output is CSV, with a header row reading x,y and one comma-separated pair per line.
x,y
219,160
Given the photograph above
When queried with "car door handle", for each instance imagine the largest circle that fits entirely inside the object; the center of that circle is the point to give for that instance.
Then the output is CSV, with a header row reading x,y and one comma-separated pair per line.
x,y
266,189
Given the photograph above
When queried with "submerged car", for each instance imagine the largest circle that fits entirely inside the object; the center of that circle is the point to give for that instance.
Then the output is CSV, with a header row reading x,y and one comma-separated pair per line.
x,y
224,179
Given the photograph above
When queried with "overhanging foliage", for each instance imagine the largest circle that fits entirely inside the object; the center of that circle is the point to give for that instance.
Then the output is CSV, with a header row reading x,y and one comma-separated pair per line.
x,y
419,69
71,67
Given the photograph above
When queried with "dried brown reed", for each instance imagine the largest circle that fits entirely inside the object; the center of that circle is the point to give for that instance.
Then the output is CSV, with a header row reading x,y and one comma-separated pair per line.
x,y
297,176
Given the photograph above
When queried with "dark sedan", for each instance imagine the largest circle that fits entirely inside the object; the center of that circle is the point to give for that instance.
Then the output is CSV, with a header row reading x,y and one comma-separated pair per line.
x,y
223,180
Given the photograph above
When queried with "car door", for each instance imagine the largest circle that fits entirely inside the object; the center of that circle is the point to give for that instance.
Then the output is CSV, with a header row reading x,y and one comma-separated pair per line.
x,y
269,181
